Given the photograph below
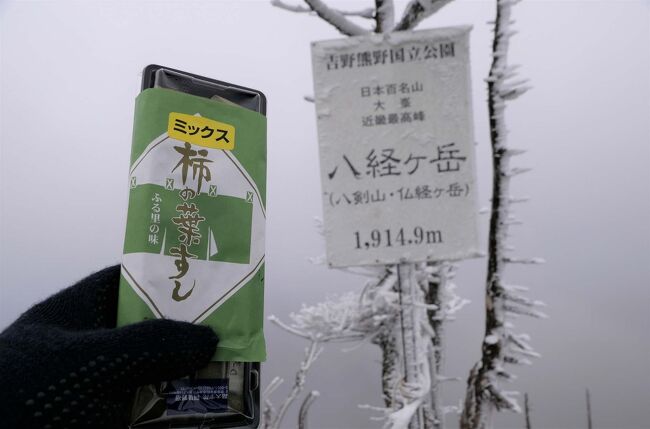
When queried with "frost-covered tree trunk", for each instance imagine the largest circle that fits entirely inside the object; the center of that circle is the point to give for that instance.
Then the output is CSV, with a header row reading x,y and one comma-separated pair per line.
x,y
413,347
442,303
407,351
434,297
390,371
500,345
412,343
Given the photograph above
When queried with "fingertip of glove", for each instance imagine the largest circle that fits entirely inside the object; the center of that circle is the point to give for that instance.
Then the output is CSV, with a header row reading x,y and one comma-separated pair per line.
x,y
203,338
180,347
184,334
207,335
106,275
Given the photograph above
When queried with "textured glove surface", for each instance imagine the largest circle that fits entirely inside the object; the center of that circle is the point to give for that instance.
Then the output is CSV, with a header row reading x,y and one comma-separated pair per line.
x,y
63,364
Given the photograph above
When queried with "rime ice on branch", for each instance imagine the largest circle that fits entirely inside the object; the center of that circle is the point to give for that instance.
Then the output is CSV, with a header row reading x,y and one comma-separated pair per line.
x,y
383,13
376,315
349,317
501,345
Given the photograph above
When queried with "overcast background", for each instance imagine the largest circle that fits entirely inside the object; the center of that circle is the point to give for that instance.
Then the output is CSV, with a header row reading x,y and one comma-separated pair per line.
x,y
70,72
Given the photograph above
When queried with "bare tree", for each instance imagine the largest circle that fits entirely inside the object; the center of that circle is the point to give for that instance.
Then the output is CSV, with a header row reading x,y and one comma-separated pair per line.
x,y
501,345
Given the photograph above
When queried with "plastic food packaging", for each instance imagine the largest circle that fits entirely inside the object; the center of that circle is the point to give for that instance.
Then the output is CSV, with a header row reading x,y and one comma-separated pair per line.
x,y
194,242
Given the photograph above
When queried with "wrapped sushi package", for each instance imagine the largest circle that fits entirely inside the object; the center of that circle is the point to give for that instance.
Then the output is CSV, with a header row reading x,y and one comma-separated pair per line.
x,y
194,243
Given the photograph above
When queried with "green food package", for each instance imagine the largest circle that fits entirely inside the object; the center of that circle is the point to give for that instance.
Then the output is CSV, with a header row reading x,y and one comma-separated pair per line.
x,y
194,242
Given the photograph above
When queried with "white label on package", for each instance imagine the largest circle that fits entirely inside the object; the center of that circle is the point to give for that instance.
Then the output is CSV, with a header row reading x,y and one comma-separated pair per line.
x,y
396,146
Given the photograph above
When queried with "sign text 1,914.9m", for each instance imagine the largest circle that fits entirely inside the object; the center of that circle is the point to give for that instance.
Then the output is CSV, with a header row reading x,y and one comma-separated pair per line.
x,y
396,237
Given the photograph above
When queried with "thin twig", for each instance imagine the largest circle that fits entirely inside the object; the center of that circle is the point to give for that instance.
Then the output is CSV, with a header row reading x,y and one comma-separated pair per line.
x,y
527,410
311,354
273,385
267,414
336,18
288,328
304,408
269,410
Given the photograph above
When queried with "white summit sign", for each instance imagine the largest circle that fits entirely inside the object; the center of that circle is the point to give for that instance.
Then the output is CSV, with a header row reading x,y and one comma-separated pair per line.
x,y
396,147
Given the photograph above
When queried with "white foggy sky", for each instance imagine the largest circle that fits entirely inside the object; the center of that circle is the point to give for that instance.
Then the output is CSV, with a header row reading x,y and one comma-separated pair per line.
x,y
70,72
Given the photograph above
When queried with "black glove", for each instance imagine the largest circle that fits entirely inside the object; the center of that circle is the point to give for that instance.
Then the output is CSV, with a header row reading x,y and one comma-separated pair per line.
x,y
63,364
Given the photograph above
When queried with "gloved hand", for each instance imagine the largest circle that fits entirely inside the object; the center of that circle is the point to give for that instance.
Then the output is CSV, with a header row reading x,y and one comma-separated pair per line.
x,y
63,364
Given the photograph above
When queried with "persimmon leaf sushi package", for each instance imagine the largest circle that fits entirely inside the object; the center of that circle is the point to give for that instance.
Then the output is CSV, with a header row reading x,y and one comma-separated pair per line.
x,y
194,242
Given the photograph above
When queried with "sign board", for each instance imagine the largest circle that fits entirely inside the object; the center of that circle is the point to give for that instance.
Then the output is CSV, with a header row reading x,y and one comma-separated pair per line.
x,y
395,133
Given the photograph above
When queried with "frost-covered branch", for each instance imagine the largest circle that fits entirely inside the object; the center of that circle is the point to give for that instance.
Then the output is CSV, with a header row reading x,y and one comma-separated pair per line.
x,y
311,354
500,345
348,317
304,408
334,17
269,411
386,315
384,16
416,11
290,7
368,13
440,293
288,328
